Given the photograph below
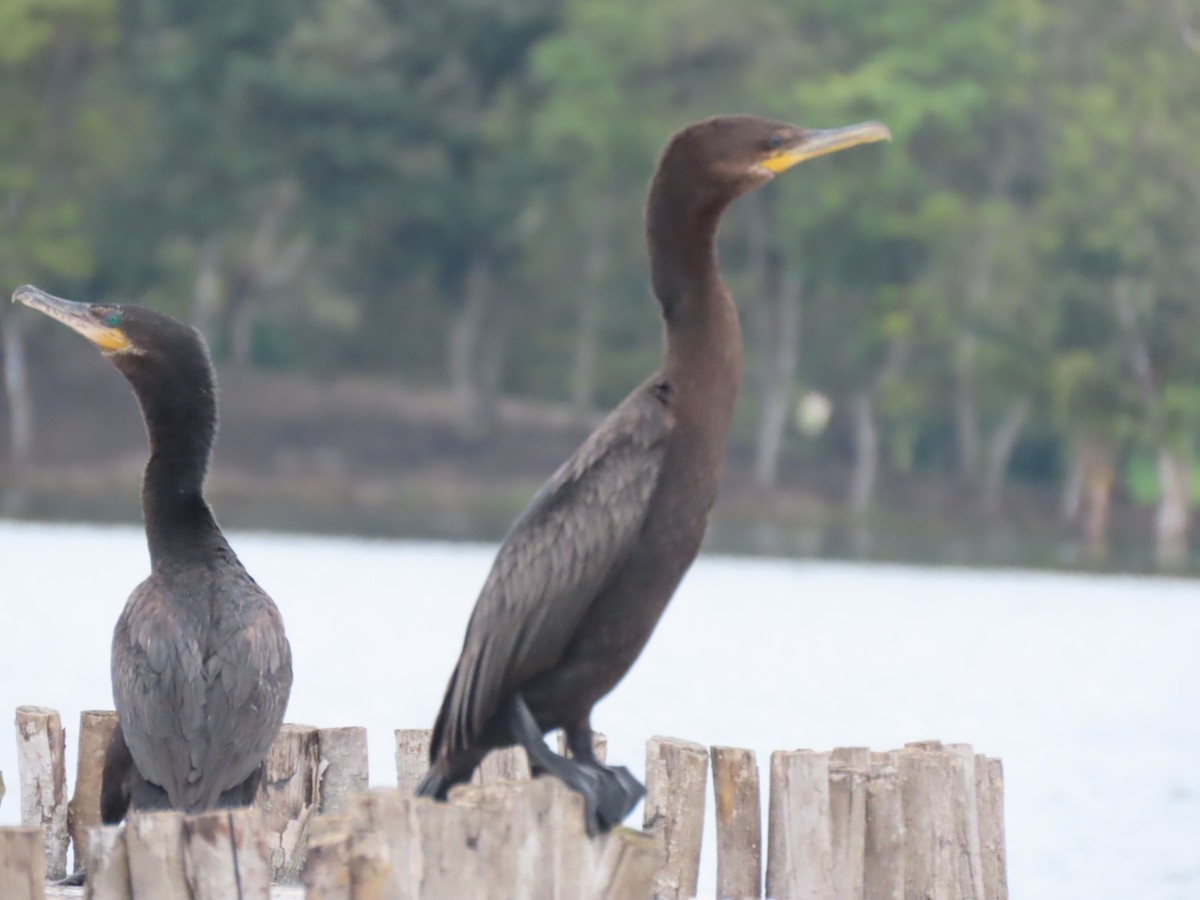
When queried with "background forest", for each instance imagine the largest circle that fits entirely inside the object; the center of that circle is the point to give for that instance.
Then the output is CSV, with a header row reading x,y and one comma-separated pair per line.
x,y
992,323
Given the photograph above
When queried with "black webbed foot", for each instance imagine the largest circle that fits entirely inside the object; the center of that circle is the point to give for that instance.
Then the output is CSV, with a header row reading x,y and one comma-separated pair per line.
x,y
620,792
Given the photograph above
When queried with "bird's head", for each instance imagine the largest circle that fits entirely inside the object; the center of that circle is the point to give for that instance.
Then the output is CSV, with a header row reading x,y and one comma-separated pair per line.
x,y
136,339
730,155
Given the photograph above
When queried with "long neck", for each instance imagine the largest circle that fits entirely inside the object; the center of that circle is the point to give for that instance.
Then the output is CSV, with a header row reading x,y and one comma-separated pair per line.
x,y
180,414
704,339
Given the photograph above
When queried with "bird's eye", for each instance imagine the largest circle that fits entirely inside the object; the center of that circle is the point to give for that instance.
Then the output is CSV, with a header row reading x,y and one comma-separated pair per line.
x,y
775,141
113,320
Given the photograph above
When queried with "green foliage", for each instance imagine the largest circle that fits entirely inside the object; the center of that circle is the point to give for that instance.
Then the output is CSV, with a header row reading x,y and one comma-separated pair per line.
x,y
1032,230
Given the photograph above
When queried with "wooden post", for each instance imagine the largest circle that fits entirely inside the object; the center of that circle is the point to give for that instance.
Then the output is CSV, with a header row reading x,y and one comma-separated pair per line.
x,y
154,843
739,823
22,864
989,789
625,867
676,775
344,762
225,855
938,855
848,827
107,865
289,796
327,863
83,812
505,764
599,745
799,851
41,747
966,821
883,870
412,757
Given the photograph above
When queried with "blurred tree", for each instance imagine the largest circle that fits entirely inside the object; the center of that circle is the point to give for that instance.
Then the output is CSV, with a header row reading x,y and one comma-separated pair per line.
x,y
54,142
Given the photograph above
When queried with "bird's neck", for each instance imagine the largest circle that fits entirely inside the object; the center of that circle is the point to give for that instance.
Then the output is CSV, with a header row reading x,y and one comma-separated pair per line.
x,y
181,424
704,340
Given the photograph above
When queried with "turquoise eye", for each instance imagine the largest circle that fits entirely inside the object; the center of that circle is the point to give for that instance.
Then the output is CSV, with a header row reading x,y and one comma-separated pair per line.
x,y
113,320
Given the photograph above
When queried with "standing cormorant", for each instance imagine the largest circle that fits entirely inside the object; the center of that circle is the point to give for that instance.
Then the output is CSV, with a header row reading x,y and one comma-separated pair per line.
x,y
201,668
586,571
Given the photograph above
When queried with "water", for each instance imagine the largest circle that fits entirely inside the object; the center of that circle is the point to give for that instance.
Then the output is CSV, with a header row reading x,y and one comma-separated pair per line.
x,y
1087,687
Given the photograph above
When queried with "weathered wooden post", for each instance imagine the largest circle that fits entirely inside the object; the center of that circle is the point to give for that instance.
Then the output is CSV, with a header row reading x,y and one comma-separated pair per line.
x,y
599,745
344,766
83,812
799,849
848,769
107,865
989,788
938,852
225,856
505,764
289,796
22,864
676,775
412,757
41,748
883,869
154,845
739,823
966,820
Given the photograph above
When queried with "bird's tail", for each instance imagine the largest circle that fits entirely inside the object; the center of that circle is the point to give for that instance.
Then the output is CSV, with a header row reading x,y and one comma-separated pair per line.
x,y
434,784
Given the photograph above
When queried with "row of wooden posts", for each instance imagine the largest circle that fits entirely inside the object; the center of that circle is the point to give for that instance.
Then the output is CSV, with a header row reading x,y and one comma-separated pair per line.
x,y
922,823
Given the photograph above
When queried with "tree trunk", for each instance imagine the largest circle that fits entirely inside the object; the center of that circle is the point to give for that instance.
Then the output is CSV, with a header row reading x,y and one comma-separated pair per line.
x,y
16,391
466,334
1071,501
866,452
778,373
1171,517
207,302
966,399
596,262
1096,462
999,453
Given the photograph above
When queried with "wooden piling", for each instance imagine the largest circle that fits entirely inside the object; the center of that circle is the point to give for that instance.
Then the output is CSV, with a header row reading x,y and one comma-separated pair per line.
x,y
289,797
154,844
107,865
412,757
83,812
225,855
989,789
883,868
676,776
505,764
848,827
599,746
22,863
326,873
344,766
41,749
966,820
739,823
799,850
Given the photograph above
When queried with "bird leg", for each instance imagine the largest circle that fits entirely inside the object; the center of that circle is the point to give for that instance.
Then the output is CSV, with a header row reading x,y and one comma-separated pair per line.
x,y
582,779
619,790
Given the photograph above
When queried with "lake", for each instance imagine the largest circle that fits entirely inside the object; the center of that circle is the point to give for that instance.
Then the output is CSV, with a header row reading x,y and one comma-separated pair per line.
x,y
1088,687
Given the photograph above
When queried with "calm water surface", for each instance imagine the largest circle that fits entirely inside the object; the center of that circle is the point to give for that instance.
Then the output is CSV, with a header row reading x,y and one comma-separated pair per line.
x,y
1087,687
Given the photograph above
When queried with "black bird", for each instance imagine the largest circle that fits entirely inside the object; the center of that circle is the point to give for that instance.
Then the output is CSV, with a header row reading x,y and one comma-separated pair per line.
x,y
586,571
201,668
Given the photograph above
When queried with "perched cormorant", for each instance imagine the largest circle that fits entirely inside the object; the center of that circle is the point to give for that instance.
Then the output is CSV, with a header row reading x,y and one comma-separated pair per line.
x,y
201,668
586,571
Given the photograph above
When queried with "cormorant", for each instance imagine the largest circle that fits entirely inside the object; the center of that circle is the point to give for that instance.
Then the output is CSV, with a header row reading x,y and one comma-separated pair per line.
x,y
201,668
584,574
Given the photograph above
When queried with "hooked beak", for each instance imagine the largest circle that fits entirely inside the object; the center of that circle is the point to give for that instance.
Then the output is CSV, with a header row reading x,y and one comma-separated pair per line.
x,y
819,142
76,316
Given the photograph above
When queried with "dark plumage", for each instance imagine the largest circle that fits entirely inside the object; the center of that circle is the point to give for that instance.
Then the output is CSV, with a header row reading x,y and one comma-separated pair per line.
x,y
585,573
201,667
